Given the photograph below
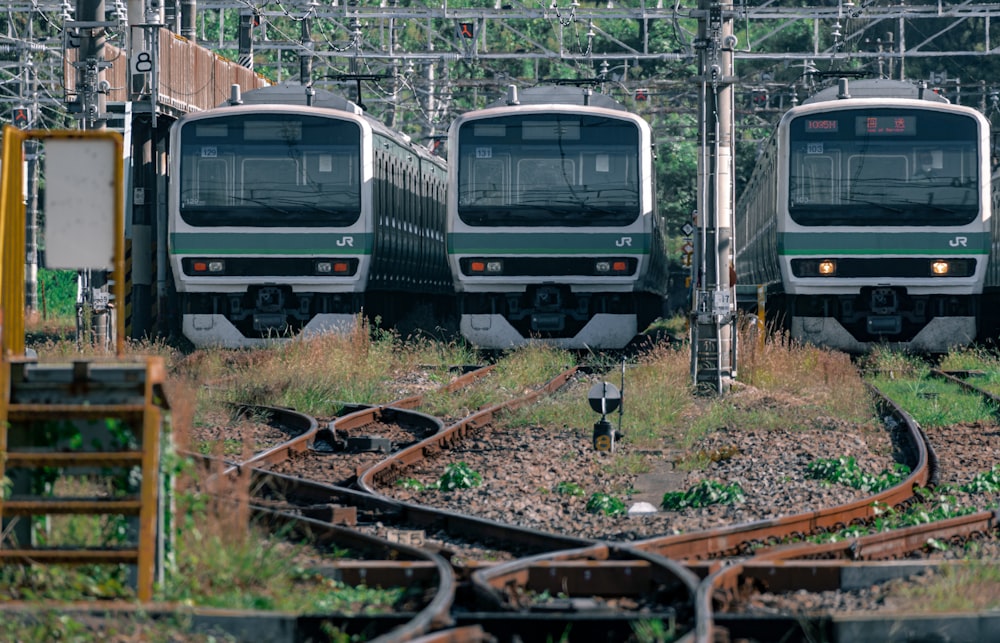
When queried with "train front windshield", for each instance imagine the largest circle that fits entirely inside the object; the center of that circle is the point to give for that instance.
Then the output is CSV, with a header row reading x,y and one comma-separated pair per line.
x,y
270,170
548,170
884,167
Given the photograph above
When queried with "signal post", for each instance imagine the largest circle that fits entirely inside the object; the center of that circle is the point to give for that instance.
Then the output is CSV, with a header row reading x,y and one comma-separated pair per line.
x,y
713,340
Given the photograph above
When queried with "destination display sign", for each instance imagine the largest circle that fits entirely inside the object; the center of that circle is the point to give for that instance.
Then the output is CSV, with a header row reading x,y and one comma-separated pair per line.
x,y
885,125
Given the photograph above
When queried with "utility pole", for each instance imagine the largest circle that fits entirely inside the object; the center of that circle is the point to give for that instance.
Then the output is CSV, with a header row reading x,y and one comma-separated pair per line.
x,y
94,312
24,116
247,20
713,340
306,57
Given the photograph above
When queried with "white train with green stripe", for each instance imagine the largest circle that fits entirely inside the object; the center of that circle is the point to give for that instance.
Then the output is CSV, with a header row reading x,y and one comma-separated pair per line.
x,y
553,233
867,220
292,212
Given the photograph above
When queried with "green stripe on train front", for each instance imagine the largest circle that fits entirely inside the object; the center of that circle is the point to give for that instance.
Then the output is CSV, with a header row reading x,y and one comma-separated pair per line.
x,y
271,243
873,242
544,243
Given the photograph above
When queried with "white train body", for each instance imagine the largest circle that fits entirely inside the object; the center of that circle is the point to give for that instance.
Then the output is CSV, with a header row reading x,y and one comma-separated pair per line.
x,y
288,218
553,234
867,221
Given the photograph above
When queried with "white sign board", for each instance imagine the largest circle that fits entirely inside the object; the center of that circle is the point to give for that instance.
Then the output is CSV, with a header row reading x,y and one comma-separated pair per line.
x,y
80,203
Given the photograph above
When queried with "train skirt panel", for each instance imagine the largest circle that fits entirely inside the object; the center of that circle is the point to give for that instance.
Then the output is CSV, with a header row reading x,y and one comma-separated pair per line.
x,y
496,332
219,330
935,336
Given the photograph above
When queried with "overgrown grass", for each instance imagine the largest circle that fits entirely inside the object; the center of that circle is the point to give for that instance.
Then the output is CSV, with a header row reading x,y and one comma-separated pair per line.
x,y
968,586
971,359
256,571
661,375
319,375
981,367
55,625
825,380
514,375
221,560
781,384
931,401
934,402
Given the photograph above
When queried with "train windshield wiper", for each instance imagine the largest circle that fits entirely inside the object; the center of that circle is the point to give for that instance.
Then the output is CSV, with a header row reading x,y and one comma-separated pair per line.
x,y
930,205
312,206
877,204
264,203
550,206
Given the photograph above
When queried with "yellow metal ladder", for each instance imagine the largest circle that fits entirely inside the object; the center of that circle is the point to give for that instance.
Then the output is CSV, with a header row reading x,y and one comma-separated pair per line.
x,y
98,421
51,406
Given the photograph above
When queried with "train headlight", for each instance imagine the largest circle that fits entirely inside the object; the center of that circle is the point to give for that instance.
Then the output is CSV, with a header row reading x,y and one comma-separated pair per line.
x,y
611,267
332,267
212,266
827,268
486,266
940,267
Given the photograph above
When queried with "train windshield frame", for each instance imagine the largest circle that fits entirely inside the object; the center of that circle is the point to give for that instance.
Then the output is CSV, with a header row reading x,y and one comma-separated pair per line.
x,y
549,169
270,170
887,166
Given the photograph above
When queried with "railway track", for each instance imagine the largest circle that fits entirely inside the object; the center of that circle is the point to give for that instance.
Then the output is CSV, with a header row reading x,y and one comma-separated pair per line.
x,y
488,578
697,600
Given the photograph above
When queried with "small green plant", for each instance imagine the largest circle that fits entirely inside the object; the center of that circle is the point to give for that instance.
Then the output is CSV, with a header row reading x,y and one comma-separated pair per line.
x,y
411,484
459,475
569,489
230,446
655,631
706,492
605,504
845,470
988,482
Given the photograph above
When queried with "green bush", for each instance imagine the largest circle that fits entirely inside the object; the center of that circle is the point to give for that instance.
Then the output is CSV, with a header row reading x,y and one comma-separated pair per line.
x,y
57,293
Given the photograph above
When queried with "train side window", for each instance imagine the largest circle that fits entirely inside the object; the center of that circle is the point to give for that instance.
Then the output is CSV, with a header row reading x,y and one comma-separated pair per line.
x,y
213,182
546,174
489,182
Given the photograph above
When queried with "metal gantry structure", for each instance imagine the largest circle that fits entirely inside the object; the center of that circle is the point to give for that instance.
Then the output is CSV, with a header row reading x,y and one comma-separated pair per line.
x,y
428,53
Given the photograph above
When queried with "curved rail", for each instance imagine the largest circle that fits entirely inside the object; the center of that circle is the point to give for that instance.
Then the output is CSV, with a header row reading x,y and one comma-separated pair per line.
x,y
436,613
954,378
389,470
738,539
724,580
638,575
304,429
